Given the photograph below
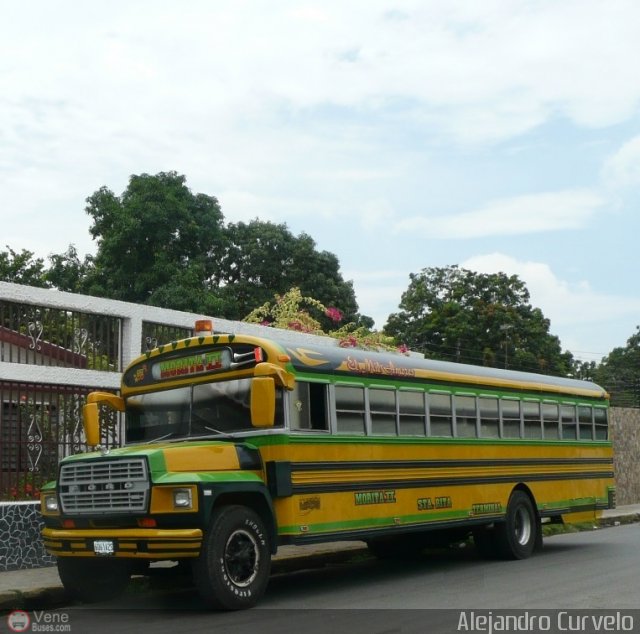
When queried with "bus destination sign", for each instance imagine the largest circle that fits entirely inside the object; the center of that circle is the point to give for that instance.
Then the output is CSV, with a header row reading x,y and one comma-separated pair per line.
x,y
192,365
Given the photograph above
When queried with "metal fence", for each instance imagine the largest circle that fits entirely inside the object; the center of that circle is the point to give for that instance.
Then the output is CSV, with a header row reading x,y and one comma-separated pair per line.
x,y
42,345
40,335
40,424
154,334
624,392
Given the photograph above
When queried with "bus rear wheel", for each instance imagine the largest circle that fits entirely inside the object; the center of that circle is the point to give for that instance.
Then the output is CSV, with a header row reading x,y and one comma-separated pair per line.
x,y
518,536
233,568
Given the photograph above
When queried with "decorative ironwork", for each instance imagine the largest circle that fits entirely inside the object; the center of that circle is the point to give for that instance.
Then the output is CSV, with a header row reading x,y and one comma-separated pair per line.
x,y
38,335
40,425
154,335
34,439
80,338
35,330
78,440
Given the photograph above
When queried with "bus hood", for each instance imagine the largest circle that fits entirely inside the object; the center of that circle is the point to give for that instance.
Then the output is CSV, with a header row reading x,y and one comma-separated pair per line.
x,y
184,457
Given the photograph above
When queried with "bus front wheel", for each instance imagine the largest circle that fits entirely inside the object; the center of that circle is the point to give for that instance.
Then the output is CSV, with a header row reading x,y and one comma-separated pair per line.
x,y
233,568
517,536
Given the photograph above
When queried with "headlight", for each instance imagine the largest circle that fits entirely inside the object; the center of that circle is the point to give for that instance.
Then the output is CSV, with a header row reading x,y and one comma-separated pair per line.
x,y
182,499
50,503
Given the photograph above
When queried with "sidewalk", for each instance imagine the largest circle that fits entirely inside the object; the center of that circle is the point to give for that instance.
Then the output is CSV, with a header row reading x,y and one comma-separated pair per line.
x,y
41,588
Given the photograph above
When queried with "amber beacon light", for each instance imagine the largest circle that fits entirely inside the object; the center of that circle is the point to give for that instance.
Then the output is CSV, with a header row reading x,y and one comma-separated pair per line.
x,y
204,327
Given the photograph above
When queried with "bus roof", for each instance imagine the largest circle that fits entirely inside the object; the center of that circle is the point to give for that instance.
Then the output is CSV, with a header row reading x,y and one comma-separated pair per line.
x,y
371,364
321,356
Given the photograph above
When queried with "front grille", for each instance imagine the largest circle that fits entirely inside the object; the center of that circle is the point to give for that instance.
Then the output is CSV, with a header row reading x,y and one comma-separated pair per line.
x,y
104,486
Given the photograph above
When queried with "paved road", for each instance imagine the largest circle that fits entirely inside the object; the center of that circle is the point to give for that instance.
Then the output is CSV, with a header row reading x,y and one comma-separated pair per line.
x,y
599,569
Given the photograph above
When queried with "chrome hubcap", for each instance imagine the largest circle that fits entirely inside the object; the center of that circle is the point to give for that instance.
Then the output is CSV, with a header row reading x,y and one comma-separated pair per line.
x,y
241,558
522,526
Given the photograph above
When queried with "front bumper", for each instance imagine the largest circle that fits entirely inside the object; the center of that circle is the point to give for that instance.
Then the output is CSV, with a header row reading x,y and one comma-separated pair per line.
x,y
133,543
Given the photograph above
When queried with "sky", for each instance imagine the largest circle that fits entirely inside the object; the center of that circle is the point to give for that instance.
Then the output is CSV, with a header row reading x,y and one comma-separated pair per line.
x,y
498,135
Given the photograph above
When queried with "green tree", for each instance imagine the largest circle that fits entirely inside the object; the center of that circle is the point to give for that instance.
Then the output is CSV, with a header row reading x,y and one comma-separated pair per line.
x,y
67,273
158,243
459,315
584,370
619,373
22,268
263,259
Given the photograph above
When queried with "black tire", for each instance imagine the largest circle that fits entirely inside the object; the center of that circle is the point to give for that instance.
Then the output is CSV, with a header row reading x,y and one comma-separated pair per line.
x,y
94,580
517,536
233,568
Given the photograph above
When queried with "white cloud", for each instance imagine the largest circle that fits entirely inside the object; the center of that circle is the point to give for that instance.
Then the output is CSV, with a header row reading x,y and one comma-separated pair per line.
x,y
622,169
581,316
378,292
533,213
478,71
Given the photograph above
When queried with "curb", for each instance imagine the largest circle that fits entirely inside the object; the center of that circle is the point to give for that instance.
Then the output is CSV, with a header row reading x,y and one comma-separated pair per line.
x,y
36,599
627,518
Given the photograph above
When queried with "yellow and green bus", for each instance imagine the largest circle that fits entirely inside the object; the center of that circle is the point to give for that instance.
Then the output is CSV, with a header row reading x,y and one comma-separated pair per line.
x,y
234,445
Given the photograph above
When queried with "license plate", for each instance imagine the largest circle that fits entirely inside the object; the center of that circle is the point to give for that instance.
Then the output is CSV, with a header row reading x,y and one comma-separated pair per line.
x,y
103,547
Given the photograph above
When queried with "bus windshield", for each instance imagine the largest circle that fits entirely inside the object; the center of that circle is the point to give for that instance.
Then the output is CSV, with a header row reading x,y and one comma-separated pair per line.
x,y
206,409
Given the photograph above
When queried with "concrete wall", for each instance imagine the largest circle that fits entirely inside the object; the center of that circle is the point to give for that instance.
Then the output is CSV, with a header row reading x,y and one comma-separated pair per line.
x,y
20,542
625,433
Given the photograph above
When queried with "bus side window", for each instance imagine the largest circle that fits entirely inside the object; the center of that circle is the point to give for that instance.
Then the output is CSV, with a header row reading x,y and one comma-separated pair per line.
x,y
551,418
585,422
466,416
489,417
299,407
318,406
532,420
569,422
412,413
600,418
308,409
511,418
382,407
350,410
440,414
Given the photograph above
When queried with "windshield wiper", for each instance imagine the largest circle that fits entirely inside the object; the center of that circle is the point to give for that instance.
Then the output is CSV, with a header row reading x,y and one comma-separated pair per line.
x,y
159,438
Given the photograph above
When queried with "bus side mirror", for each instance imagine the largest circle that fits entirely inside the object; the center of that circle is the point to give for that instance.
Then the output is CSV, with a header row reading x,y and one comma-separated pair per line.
x,y
91,414
91,424
263,401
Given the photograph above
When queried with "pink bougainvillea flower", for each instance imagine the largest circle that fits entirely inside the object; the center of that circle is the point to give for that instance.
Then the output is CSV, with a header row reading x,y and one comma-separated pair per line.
x,y
334,314
349,342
